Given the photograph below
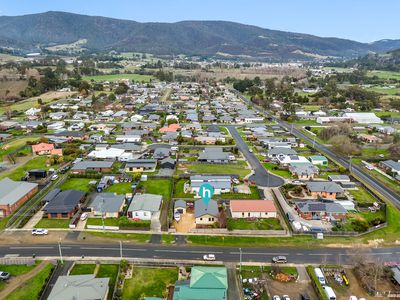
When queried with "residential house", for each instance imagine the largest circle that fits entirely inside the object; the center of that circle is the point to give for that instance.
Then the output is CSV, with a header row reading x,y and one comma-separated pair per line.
x,y
206,214
128,138
170,128
215,155
13,194
161,152
167,163
324,189
170,137
141,165
109,153
144,206
107,205
180,206
205,283
221,184
64,205
253,209
92,165
310,210
46,149
80,287
319,160
343,180
390,166
280,151
286,160
369,138
303,171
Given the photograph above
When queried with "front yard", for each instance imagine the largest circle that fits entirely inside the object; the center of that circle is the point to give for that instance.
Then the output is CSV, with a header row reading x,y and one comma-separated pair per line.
x,y
53,223
254,224
80,184
149,282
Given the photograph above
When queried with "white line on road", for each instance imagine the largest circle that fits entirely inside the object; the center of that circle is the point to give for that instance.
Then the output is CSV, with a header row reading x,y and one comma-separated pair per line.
x,y
255,253
15,248
321,254
182,251
113,249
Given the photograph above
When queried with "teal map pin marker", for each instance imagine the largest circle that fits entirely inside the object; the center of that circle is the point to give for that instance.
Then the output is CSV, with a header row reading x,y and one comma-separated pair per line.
x,y
206,192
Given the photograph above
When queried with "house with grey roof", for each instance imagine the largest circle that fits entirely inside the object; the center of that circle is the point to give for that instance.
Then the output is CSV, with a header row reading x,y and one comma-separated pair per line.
x,y
161,152
221,184
180,206
79,287
280,151
303,171
141,165
64,205
107,205
390,166
144,206
13,194
206,214
310,210
92,165
214,155
324,189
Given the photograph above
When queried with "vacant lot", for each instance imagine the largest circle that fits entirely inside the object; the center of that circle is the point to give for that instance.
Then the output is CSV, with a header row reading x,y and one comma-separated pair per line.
x,y
108,271
121,188
80,184
240,168
38,162
157,186
254,224
363,196
115,77
149,282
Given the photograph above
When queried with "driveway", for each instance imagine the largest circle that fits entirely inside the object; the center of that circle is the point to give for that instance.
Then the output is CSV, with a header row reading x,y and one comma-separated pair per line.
x,y
261,176
186,223
155,222
34,220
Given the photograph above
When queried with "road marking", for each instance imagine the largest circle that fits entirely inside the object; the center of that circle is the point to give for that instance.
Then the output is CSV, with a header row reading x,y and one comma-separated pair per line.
x,y
16,248
299,254
182,251
255,253
66,247
320,254
382,253
113,249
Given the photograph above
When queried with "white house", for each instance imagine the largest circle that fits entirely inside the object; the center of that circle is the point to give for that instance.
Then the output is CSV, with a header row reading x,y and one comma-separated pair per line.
x,y
364,118
128,138
253,209
56,126
285,160
32,111
110,153
144,206
221,184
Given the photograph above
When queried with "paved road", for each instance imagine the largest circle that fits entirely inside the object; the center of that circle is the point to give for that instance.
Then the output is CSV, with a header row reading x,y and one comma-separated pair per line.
x,y
178,253
356,170
261,176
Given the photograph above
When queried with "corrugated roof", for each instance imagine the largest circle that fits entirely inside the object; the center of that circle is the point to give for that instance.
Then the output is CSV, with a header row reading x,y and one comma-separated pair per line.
x,y
11,191
146,202
252,206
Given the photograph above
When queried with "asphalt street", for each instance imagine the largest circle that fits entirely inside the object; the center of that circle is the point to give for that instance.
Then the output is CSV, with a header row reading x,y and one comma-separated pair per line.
x,y
261,176
177,253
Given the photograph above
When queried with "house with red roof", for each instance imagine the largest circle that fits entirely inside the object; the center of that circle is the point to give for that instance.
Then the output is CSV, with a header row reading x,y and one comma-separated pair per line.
x,y
45,149
253,209
171,128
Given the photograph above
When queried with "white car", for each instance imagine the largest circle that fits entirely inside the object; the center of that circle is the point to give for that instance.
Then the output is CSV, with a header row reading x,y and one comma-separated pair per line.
x,y
285,297
84,216
54,177
209,257
40,231
276,297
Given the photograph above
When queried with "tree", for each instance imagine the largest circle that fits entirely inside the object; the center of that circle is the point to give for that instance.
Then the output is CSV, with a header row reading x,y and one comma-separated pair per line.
x,y
343,144
112,97
122,88
394,150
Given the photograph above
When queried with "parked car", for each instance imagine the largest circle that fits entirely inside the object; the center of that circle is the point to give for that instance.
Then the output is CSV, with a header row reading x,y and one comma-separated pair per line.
x,y
84,216
304,296
209,257
280,259
40,231
4,275
54,177
285,297
276,297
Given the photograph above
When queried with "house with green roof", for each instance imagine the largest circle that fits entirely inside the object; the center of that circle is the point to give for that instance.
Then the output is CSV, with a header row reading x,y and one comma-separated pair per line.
x,y
206,283
318,160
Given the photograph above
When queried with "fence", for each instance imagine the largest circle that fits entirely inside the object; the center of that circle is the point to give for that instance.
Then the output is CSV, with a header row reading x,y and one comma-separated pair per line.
x,y
17,261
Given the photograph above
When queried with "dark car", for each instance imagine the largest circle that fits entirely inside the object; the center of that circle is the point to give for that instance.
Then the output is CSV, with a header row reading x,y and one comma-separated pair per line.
x,y
304,296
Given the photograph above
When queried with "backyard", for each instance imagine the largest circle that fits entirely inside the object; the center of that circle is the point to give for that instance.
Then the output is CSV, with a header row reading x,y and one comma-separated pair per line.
x,y
149,282
80,184
157,186
121,188
254,224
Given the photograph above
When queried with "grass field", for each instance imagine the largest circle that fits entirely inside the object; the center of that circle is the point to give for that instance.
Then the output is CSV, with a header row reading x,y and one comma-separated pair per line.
x,y
121,188
259,224
311,107
385,74
99,222
383,90
38,162
135,237
17,143
253,195
240,168
362,196
31,289
282,173
388,113
108,271
373,152
53,223
149,282
83,269
114,77
178,193
80,184
157,186
15,270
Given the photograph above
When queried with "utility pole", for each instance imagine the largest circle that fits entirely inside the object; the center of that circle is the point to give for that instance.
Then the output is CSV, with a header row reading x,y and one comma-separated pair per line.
x,y
59,249
313,144
102,215
350,163
120,249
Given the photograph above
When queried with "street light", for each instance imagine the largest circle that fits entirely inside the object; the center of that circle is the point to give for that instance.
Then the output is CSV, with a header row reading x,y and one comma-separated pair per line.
x,y
59,249
240,259
313,144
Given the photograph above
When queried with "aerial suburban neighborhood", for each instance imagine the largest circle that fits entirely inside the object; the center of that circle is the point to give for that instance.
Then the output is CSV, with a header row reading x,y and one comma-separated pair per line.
x,y
197,160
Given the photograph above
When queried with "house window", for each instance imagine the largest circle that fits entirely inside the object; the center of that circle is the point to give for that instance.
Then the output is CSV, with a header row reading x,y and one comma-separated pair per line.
x,y
145,214
201,219
136,214
248,214
242,214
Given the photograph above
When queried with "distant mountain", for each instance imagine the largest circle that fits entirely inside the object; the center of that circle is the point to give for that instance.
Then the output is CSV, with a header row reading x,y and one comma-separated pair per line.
x,y
209,38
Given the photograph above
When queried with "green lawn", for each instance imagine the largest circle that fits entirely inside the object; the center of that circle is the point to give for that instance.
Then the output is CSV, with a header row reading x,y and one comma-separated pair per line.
x,y
17,143
149,282
388,113
257,224
114,77
135,237
99,222
167,238
15,270
283,173
157,186
392,184
83,269
385,74
178,193
363,196
311,107
80,184
253,195
121,188
53,223
367,153
108,271
31,289
240,168
38,162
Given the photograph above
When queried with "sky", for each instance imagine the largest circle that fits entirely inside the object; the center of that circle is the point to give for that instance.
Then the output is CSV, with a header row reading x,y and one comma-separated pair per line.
x,y
360,20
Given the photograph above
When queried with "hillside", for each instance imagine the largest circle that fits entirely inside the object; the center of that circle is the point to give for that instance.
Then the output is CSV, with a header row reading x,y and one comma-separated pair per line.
x,y
210,38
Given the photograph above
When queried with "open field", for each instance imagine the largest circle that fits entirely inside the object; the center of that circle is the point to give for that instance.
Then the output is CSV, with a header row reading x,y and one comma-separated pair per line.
x,y
385,74
258,224
157,186
80,184
149,282
240,168
83,269
16,143
115,77
53,223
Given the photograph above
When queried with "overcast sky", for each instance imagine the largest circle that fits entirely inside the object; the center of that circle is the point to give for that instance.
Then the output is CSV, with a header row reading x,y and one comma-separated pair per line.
x,y
361,20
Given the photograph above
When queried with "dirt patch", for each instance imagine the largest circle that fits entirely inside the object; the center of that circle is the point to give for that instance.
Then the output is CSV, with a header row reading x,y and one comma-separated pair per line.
x,y
292,289
186,223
